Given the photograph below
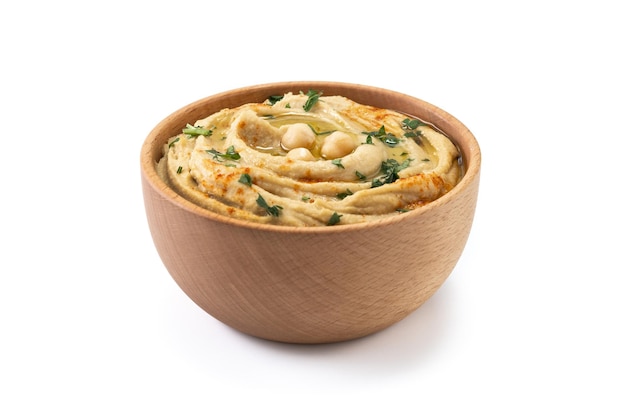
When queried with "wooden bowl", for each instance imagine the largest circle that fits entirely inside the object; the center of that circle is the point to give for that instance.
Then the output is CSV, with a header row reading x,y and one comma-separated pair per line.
x,y
310,284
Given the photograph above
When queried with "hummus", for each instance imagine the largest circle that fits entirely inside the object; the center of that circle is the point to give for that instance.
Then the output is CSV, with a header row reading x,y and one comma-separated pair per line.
x,y
309,160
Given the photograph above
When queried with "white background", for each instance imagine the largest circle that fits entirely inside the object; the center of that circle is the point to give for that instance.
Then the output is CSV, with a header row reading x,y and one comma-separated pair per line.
x,y
531,321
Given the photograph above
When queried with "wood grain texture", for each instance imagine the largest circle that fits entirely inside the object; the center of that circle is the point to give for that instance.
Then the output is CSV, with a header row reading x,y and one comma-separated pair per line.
x,y
310,285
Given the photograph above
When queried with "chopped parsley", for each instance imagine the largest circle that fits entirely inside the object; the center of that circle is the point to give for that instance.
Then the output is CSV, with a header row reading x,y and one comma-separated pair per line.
x,y
314,96
197,130
388,139
412,124
271,210
179,170
390,169
334,219
409,126
343,195
274,99
360,176
230,154
338,163
245,179
173,142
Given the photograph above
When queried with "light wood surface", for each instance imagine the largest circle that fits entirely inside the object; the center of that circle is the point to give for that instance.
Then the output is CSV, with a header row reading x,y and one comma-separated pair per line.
x,y
310,285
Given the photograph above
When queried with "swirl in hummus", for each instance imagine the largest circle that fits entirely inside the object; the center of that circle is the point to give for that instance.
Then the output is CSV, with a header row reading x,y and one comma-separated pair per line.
x,y
310,160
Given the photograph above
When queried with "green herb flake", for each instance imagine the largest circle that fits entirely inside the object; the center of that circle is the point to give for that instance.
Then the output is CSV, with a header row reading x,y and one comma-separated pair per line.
x,y
381,134
360,176
314,97
274,99
305,198
271,210
230,154
334,219
245,179
413,135
390,169
179,170
345,194
173,142
197,130
410,126
338,163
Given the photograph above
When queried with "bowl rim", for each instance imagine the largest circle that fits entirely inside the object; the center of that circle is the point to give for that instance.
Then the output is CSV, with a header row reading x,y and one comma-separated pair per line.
x,y
149,173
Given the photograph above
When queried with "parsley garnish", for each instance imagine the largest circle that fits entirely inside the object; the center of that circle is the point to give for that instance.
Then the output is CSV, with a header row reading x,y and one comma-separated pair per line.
x,y
334,219
412,124
343,195
388,139
179,170
409,126
390,169
338,163
245,179
196,130
230,154
274,99
173,142
314,96
359,175
271,210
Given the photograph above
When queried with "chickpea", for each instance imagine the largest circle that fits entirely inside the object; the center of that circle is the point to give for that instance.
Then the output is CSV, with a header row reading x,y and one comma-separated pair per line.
x,y
300,154
297,135
338,144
